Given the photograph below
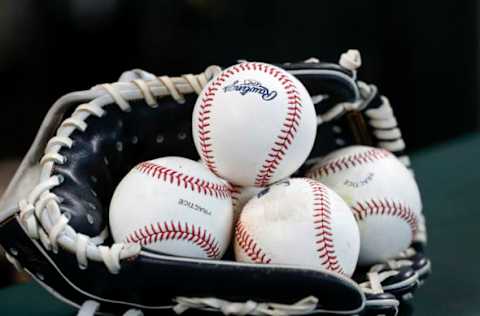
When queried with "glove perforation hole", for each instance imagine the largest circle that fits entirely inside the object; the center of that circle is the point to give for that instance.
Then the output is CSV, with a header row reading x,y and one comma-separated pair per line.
x,y
90,219
336,129
182,136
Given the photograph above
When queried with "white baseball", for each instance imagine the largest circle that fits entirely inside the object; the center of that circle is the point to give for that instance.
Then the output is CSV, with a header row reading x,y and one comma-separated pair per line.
x,y
298,222
174,206
254,124
382,193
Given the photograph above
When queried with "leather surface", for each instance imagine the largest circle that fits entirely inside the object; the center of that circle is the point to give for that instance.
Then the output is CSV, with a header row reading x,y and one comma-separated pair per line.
x,y
325,79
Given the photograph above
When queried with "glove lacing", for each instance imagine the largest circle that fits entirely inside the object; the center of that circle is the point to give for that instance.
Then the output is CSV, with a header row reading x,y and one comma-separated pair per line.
x,y
375,279
381,119
305,306
40,212
382,271
383,122
302,307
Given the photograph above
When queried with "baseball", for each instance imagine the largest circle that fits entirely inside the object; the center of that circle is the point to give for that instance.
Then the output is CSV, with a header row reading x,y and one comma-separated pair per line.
x,y
298,222
254,124
173,206
382,194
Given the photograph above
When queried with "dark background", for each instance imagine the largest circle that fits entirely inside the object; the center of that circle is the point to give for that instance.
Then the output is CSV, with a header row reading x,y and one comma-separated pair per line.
x,y
422,55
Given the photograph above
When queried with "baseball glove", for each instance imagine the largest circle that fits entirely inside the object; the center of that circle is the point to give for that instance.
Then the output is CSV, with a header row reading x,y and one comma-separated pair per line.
x,y
54,213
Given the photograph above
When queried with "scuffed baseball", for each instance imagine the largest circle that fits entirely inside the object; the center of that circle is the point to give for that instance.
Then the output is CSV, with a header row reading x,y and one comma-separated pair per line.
x,y
174,206
298,222
382,193
254,124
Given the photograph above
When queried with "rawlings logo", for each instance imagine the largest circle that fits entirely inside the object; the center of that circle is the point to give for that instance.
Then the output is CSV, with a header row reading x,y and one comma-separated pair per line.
x,y
252,86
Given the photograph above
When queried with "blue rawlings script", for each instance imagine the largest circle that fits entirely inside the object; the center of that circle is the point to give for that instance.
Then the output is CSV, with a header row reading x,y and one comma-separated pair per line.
x,y
251,86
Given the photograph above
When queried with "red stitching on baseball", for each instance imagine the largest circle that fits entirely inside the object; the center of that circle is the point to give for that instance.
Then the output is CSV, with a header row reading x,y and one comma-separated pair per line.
x,y
323,227
282,141
235,194
362,209
343,163
203,123
287,132
249,246
196,235
220,191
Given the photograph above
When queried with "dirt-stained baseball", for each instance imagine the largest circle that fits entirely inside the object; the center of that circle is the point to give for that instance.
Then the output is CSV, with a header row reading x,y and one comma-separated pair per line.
x,y
254,124
174,206
299,222
382,194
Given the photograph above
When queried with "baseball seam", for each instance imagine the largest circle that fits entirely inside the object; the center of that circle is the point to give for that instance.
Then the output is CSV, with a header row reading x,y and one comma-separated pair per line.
x,y
203,124
196,235
172,176
235,192
323,228
363,209
287,132
249,245
347,162
282,141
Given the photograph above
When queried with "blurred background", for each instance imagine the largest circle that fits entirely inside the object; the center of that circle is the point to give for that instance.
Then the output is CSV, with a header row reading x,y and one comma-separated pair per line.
x,y
422,55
